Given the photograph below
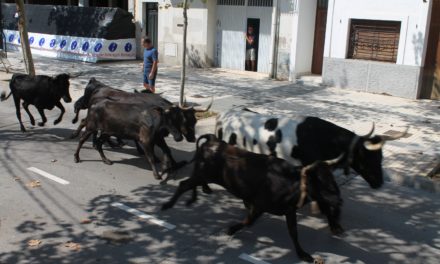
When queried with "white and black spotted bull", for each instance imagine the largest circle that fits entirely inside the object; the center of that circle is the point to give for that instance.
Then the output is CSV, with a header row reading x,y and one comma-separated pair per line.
x,y
304,141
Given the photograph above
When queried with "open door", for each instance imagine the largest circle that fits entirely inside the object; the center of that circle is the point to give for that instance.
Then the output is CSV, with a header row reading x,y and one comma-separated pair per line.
x,y
151,22
319,42
254,24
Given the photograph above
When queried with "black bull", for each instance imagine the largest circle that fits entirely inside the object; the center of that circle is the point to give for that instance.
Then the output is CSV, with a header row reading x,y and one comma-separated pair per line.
x,y
44,92
265,184
185,119
127,121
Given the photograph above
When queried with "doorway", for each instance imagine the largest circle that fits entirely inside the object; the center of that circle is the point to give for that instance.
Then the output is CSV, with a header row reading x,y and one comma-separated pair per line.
x,y
151,22
251,58
319,42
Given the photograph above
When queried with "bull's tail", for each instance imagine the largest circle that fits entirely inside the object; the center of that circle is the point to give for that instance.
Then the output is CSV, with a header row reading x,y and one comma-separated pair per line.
x,y
3,96
208,137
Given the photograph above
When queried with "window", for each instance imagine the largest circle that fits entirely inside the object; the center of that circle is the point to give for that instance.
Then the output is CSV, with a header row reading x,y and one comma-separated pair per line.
x,y
260,2
231,2
374,40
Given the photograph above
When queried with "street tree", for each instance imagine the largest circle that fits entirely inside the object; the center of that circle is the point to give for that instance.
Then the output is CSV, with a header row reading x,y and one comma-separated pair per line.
x,y
184,5
27,55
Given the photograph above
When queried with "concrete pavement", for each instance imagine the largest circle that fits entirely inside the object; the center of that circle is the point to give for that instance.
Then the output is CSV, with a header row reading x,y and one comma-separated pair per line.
x,y
394,224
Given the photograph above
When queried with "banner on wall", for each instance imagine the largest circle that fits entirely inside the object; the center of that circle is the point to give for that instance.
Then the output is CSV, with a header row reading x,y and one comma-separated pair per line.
x,y
74,48
88,34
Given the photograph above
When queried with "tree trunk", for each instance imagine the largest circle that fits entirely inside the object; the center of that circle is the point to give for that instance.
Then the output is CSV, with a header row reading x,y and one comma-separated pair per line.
x,y
183,72
27,55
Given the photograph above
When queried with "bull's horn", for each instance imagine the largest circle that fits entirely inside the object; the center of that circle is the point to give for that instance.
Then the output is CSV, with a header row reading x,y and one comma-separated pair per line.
x,y
394,137
368,135
374,146
334,161
207,108
185,107
74,75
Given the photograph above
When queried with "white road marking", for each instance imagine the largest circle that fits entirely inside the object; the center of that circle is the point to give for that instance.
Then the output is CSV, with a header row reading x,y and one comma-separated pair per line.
x,y
251,259
48,175
142,215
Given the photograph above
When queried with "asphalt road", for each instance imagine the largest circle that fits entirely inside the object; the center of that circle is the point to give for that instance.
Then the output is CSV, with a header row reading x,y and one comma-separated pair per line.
x,y
88,202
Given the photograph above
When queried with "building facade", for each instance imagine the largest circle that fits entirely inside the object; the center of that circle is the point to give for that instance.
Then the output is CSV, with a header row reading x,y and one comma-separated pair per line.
x,y
377,46
216,33
380,46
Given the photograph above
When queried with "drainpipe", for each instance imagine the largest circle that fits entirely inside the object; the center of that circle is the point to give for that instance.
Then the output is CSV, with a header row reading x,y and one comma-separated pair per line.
x,y
274,30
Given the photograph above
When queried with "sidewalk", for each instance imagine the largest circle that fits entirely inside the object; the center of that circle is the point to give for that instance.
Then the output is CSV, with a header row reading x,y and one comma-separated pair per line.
x,y
408,161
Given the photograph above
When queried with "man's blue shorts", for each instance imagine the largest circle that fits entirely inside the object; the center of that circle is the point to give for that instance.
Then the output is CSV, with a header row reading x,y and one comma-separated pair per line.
x,y
150,82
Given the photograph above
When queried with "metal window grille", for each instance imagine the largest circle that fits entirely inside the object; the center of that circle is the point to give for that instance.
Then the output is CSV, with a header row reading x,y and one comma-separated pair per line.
x,y
231,2
260,2
374,40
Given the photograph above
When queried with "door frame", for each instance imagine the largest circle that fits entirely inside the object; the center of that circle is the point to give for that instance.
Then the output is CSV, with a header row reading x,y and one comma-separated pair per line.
x,y
319,36
430,88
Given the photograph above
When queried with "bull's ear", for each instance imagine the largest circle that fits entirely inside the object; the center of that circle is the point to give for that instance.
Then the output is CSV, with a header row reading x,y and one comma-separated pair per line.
x,y
62,76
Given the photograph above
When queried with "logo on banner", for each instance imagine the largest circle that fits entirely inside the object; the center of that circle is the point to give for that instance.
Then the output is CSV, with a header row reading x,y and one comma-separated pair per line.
x,y
41,42
31,40
85,46
98,47
113,46
128,47
11,38
73,45
52,43
63,43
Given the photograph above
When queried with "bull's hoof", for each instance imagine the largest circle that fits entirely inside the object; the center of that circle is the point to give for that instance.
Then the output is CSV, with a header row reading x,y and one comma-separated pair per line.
x,y
77,159
234,229
23,129
189,202
33,122
306,257
74,120
337,230
56,121
41,124
108,162
206,189
166,206
157,177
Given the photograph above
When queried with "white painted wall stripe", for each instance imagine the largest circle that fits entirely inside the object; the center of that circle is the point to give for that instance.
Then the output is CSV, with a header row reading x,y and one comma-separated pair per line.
x,y
142,215
48,175
252,259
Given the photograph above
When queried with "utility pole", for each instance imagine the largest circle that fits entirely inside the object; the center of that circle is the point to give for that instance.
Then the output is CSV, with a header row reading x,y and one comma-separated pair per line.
x,y
27,55
183,72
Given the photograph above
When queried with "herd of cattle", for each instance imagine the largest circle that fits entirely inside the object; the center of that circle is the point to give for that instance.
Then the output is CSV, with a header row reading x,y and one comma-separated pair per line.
x,y
275,165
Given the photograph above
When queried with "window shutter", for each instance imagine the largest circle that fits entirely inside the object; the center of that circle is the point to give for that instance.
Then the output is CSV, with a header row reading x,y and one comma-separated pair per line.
x,y
374,40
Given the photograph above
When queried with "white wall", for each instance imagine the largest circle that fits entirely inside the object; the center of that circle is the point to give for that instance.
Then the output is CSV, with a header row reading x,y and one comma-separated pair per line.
x,y
413,15
303,38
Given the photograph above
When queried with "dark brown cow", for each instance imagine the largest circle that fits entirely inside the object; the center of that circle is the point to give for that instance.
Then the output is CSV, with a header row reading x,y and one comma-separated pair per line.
x,y
265,183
